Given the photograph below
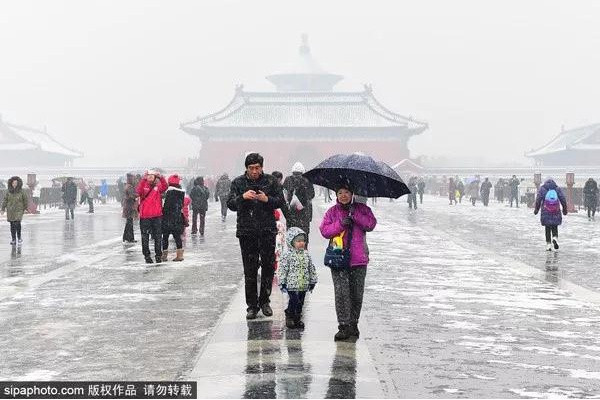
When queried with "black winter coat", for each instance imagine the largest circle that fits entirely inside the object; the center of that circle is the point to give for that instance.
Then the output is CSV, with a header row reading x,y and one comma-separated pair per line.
x,y
172,219
69,190
305,191
590,192
255,217
199,195
222,187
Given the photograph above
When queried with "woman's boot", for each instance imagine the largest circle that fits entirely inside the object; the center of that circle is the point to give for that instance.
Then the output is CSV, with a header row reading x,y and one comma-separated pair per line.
x,y
179,254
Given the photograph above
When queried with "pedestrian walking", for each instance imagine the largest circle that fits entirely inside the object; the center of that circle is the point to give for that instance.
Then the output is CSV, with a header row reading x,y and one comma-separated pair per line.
x,y
297,276
222,194
420,189
460,188
347,218
150,190
255,196
549,200
590,193
514,190
173,220
474,191
199,195
129,203
411,198
69,194
300,193
486,188
452,191
86,195
15,204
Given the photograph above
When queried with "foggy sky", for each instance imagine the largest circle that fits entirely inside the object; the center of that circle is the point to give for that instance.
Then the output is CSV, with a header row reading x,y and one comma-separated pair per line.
x,y
114,79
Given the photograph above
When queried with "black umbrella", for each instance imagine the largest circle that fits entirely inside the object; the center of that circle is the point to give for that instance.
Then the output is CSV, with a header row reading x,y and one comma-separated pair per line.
x,y
364,175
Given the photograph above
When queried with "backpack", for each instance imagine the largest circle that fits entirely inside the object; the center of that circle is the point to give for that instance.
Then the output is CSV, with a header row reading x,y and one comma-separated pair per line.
x,y
551,203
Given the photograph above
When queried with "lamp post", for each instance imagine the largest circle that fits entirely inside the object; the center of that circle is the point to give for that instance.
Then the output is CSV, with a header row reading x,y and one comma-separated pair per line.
x,y
570,182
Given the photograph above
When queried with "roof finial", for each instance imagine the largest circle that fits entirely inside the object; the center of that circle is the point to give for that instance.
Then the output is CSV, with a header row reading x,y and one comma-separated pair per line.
x,y
304,47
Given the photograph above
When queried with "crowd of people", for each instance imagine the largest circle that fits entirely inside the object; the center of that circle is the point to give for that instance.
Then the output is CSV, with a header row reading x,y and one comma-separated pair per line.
x,y
274,216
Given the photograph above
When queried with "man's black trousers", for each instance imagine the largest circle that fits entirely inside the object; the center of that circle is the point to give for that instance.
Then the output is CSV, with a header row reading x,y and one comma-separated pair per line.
x,y
258,252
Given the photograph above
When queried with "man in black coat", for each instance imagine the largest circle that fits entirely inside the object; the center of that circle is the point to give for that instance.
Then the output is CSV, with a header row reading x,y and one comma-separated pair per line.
x,y
199,195
486,187
222,193
514,190
255,196
299,215
69,190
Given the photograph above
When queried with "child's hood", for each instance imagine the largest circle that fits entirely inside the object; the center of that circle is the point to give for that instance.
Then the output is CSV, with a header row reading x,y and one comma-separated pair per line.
x,y
291,234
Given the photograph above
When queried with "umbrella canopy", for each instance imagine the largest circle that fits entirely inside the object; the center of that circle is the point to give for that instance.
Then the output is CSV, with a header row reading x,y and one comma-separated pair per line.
x,y
364,175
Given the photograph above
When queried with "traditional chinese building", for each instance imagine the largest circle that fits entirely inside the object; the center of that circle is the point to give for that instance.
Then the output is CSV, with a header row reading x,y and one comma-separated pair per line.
x,y
23,146
304,119
574,147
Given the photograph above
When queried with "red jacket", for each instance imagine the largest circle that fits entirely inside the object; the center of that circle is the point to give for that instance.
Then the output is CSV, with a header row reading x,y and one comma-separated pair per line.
x,y
150,198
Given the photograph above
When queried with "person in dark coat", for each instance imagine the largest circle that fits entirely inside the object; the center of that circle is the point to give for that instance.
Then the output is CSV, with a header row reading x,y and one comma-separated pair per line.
x,y
15,204
590,194
411,198
199,195
421,189
452,191
129,204
514,190
172,219
222,193
499,190
69,194
486,187
550,205
255,196
295,185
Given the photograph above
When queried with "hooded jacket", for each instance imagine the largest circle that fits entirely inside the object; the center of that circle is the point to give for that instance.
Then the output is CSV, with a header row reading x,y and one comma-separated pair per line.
x,y
364,221
296,270
173,219
253,216
550,219
150,197
15,201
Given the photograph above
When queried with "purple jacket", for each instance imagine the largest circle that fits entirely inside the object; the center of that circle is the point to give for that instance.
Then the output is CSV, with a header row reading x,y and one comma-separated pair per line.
x,y
546,218
364,221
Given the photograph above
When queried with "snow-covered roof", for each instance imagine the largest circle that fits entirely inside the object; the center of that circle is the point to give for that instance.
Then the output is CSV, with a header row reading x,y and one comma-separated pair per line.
x,y
304,110
17,137
583,138
407,164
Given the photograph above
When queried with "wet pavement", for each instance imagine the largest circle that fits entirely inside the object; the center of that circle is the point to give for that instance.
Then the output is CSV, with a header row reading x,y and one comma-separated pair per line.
x,y
460,302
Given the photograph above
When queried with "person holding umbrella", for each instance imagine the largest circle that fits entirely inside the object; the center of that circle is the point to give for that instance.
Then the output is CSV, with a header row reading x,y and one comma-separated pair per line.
x,y
346,224
349,283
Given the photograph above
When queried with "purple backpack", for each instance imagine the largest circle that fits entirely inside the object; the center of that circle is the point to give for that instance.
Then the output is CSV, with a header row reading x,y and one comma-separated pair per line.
x,y
551,203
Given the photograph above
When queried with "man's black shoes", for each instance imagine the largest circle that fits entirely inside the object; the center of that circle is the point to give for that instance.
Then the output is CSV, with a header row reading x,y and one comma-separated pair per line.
x,y
267,310
251,314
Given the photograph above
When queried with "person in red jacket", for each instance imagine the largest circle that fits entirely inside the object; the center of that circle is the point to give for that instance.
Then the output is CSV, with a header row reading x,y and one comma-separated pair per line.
x,y
150,190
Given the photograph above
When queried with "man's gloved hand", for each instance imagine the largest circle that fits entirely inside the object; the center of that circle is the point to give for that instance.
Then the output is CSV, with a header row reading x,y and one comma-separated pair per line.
x,y
283,288
347,221
311,287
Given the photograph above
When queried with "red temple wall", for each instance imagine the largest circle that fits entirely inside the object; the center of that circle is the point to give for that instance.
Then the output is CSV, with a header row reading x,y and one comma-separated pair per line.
x,y
228,157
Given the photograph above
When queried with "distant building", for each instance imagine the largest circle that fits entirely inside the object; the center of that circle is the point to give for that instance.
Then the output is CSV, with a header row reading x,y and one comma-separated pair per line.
x,y
23,146
303,120
574,147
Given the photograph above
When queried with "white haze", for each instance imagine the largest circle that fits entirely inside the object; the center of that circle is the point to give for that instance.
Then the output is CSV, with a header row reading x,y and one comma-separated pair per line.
x,y
115,78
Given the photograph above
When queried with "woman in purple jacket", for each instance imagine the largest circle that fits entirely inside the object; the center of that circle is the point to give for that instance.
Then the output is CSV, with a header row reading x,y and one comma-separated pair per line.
x,y
550,199
349,284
